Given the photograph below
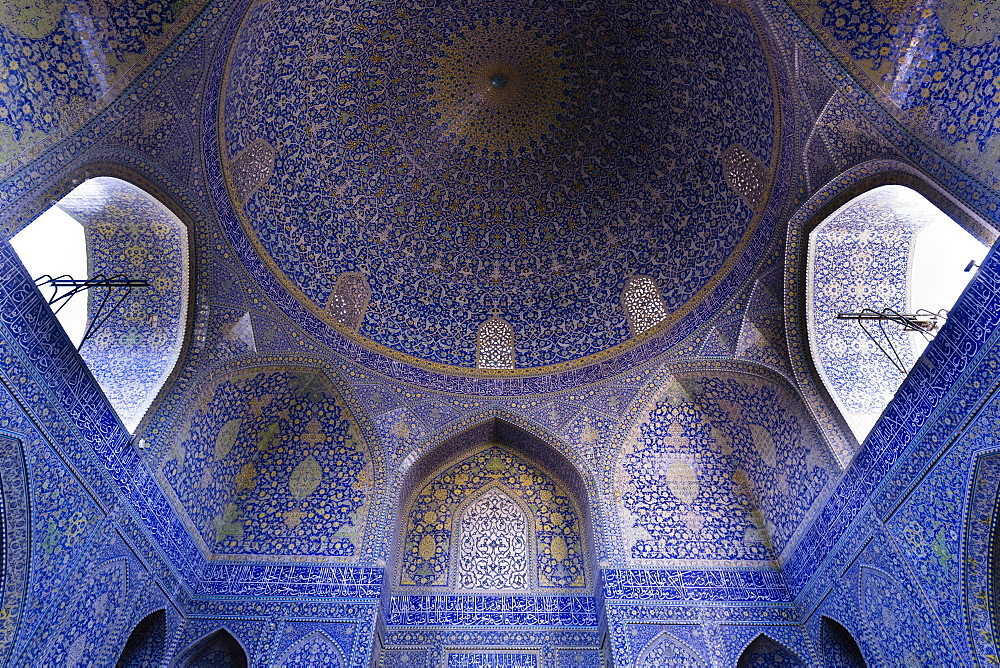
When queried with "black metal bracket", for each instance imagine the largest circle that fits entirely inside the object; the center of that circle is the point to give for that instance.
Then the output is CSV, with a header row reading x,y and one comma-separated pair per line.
x,y
118,282
923,321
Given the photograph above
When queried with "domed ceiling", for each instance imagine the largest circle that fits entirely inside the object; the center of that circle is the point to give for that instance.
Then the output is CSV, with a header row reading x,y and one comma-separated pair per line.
x,y
518,159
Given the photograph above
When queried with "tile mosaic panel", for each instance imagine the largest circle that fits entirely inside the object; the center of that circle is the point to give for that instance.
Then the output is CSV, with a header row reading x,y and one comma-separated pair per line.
x,y
928,64
316,650
556,550
729,464
95,606
62,61
131,234
271,462
668,651
477,252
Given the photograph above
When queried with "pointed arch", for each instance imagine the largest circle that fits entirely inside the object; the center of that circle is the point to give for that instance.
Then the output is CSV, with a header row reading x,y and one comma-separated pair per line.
x,y
835,194
495,344
838,646
765,652
888,250
642,303
432,551
128,253
668,651
219,649
315,650
522,435
981,563
146,643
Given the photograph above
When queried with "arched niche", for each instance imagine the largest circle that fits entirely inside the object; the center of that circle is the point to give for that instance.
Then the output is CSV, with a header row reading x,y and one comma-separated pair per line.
x,y
838,646
766,653
146,644
129,337
492,477
447,512
15,549
888,250
218,649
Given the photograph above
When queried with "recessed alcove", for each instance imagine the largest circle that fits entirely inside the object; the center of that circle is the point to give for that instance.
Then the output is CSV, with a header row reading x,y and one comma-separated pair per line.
x,y
216,650
106,233
838,646
886,251
147,644
491,513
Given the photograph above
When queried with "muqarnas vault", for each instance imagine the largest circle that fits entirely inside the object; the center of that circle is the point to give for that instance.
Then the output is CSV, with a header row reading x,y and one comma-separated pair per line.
x,y
499,334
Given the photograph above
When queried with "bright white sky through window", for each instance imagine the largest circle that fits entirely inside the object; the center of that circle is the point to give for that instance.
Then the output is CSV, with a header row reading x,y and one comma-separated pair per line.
x,y
54,244
941,252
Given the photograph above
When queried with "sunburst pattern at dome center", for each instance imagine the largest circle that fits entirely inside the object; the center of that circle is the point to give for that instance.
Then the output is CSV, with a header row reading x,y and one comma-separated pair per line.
x,y
516,159
498,89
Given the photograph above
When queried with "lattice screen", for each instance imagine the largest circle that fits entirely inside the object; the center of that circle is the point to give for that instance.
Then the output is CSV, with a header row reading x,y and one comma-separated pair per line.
x,y
495,346
251,168
494,544
350,299
643,305
745,174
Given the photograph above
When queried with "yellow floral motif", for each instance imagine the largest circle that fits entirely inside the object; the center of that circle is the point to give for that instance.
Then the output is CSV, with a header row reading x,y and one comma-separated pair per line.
x,y
427,547
305,478
226,438
247,477
558,549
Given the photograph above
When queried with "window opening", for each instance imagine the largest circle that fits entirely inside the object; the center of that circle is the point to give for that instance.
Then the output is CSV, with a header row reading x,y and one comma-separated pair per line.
x,y
644,307
350,299
117,289
251,168
495,346
54,244
883,272
745,174
113,263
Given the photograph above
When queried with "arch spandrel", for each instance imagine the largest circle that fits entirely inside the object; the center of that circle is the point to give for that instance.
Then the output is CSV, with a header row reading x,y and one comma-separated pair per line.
x,y
270,461
717,464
